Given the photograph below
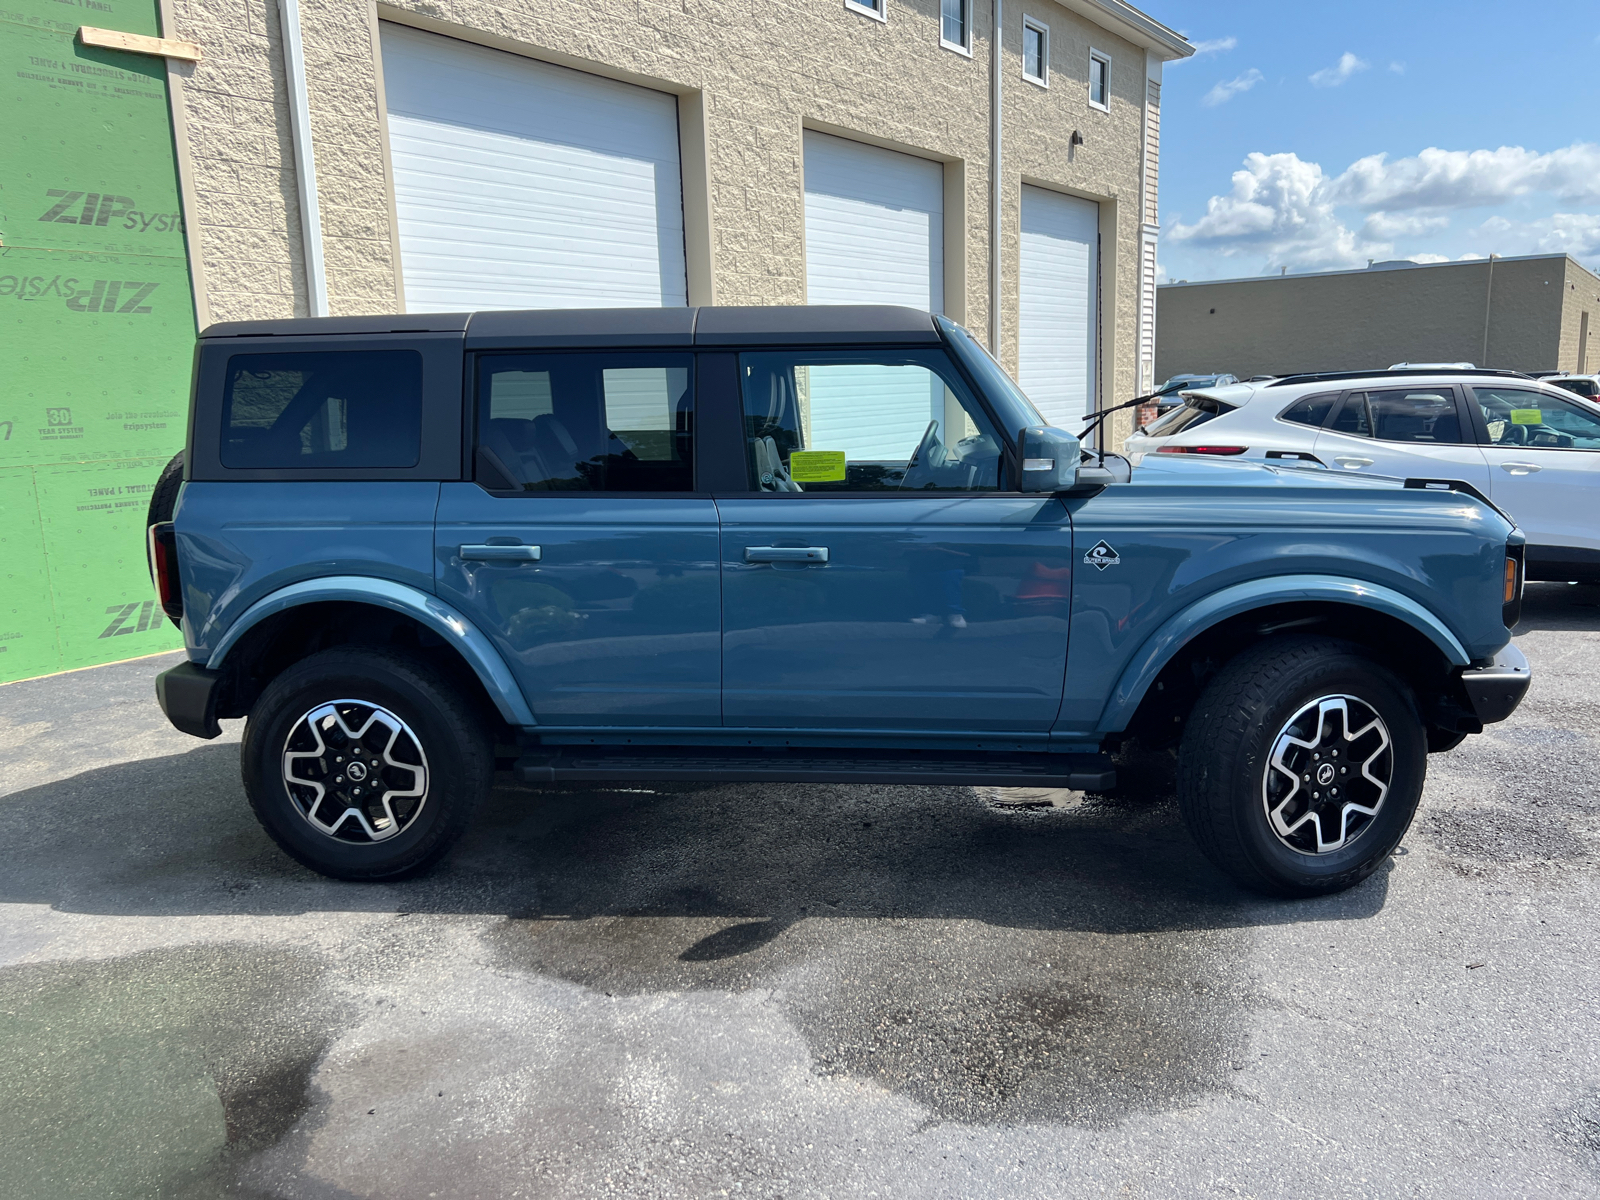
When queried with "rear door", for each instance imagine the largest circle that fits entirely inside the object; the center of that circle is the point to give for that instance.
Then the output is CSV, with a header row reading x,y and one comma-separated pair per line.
x,y
876,575
581,546
1544,457
1416,431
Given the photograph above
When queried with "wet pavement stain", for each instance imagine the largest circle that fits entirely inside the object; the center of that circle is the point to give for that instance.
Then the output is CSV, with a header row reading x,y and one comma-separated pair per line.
x,y
157,1073
1071,963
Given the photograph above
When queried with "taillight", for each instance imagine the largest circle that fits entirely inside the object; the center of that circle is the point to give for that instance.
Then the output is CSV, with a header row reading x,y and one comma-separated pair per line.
x,y
164,569
1515,573
1219,450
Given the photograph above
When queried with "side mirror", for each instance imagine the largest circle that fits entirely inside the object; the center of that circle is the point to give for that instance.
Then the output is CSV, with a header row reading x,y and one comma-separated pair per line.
x,y
1049,459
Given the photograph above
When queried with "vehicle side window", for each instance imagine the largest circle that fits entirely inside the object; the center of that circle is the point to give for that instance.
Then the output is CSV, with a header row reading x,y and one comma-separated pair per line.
x,y
1313,410
1537,420
338,409
585,422
1401,415
853,421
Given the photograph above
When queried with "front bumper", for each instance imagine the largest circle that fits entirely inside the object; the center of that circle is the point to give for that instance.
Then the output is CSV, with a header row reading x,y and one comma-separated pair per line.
x,y
188,695
1496,690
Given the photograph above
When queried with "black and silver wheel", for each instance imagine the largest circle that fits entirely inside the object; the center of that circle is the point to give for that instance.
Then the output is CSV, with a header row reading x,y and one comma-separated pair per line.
x,y
364,764
1301,767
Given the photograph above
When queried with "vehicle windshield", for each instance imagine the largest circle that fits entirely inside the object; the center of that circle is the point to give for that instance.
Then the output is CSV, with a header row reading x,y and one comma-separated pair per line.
x,y
1016,410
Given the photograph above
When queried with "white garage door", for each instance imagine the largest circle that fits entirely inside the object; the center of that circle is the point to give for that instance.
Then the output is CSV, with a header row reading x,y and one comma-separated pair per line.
x,y
523,185
874,225
874,235
1059,307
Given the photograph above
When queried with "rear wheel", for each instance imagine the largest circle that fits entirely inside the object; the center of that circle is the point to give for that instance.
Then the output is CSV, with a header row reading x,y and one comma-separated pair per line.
x,y
364,764
1301,767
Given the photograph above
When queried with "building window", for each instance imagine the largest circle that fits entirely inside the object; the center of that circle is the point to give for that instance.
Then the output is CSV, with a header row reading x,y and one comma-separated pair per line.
x,y
1100,80
1035,52
869,8
955,25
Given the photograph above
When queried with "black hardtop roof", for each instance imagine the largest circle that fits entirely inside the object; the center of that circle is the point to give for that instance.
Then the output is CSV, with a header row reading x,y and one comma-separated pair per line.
x,y
710,325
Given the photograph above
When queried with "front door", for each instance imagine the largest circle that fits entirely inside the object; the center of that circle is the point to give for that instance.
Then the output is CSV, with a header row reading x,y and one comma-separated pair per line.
x,y
876,577
1544,459
1407,432
582,548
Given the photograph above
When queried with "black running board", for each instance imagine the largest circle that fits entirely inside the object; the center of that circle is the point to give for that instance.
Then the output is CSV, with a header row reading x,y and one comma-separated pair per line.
x,y
1079,772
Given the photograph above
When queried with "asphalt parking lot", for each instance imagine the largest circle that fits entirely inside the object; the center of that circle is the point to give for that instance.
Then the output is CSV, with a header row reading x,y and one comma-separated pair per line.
x,y
792,991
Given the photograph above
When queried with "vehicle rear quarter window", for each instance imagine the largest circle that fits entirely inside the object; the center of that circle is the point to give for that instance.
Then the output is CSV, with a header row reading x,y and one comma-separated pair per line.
x,y
1313,410
339,409
586,422
1196,410
1420,414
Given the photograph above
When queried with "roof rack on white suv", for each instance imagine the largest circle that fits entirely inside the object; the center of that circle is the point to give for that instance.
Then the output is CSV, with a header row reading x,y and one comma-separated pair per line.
x,y
1317,376
1455,366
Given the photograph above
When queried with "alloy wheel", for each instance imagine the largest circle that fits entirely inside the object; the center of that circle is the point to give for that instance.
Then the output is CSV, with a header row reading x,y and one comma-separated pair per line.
x,y
355,771
1331,768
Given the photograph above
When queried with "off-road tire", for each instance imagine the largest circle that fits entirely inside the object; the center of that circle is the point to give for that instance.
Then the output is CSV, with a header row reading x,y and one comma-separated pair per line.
x,y
1227,745
458,750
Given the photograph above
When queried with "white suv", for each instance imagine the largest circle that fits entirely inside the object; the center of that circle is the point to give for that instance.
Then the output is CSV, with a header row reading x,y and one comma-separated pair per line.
x,y
1532,448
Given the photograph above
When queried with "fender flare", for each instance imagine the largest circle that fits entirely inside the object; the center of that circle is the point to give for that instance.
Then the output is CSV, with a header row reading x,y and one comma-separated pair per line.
x,y
458,632
1191,622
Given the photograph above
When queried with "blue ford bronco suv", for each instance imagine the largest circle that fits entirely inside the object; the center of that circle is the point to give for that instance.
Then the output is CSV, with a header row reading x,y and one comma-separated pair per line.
x,y
803,544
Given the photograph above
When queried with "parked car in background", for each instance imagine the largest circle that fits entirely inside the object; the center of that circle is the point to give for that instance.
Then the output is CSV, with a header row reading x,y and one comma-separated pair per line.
x,y
826,544
1528,445
1587,386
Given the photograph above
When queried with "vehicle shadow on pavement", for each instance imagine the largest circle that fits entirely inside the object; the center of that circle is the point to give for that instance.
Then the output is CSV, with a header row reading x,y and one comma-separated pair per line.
x,y
174,836
1560,608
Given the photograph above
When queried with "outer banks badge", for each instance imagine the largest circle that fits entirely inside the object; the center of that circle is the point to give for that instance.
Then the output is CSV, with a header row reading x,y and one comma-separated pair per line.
x,y
1102,556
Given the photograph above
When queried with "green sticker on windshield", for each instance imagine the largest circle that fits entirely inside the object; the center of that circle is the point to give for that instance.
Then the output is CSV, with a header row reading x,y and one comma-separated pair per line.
x,y
1527,416
816,466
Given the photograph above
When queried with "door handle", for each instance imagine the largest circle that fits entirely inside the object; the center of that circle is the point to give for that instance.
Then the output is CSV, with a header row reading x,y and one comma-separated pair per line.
x,y
786,554
1516,468
500,553
1350,462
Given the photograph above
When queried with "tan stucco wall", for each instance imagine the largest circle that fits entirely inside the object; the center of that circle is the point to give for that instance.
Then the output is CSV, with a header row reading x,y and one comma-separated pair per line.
x,y
1361,319
751,76
1581,295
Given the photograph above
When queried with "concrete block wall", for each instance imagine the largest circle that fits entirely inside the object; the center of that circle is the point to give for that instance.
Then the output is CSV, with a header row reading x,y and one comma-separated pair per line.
x,y
1355,320
760,72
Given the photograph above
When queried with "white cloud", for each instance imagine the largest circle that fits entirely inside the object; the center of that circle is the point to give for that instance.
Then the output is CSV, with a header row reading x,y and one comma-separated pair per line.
x,y
1283,211
1399,68
1219,45
1227,89
1386,225
1577,234
1279,211
1430,258
1464,178
1340,72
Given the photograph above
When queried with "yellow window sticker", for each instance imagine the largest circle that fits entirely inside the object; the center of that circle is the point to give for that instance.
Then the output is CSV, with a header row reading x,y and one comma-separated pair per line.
x,y
1527,416
816,466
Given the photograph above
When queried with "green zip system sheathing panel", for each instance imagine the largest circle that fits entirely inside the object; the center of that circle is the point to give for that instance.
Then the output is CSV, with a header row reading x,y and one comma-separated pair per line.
x,y
96,333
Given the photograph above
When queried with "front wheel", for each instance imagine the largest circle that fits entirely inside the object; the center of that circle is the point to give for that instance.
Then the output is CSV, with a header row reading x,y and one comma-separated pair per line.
x,y
1301,767
364,764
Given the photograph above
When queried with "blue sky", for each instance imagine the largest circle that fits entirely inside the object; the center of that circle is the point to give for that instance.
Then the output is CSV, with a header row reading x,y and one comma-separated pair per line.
x,y
1317,136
